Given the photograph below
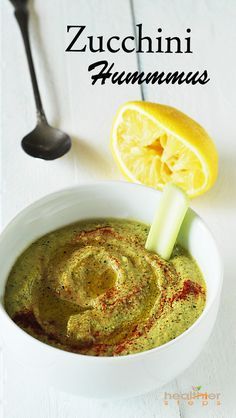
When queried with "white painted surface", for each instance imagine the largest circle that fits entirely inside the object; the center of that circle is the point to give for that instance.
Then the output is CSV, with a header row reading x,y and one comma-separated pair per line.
x,y
86,112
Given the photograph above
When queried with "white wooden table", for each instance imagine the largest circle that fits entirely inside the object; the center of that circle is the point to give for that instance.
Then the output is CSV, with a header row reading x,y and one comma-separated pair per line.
x,y
86,113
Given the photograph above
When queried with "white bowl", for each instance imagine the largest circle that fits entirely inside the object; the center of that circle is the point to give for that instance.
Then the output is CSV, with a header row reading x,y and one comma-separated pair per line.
x,y
109,377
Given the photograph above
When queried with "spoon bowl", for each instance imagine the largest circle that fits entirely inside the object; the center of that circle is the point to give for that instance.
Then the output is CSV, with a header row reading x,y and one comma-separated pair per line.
x,y
46,142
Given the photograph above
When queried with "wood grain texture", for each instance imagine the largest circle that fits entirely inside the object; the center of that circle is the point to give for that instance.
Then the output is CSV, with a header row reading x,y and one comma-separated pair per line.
x,y
213,39
86,112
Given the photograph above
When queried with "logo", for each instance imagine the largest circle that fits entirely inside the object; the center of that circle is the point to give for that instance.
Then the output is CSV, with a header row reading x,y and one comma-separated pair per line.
x,y
196,388
195,396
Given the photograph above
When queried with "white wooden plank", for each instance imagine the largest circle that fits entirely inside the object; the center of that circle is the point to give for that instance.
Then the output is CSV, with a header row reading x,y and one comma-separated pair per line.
x,y
86,113
31,399
83,111
71,102
1,380
24,178
213,105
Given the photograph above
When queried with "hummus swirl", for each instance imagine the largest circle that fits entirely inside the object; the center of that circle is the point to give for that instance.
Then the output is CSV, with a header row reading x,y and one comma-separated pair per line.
x,y
94,289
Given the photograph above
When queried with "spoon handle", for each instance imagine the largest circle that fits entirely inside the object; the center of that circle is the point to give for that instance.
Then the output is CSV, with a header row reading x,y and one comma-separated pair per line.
x,y
22,17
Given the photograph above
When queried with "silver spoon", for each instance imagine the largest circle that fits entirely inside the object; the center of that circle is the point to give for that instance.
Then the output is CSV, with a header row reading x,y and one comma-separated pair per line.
x,y
44,141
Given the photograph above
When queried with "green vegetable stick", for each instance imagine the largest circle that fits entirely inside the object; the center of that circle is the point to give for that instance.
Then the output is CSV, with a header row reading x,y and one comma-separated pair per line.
x,y
167,221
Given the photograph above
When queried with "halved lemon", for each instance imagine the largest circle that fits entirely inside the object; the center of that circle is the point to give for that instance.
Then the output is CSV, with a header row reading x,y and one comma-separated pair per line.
x,y
155,144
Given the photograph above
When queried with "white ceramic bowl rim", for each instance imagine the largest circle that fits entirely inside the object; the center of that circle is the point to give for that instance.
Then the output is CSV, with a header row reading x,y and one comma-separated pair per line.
x,y
106,358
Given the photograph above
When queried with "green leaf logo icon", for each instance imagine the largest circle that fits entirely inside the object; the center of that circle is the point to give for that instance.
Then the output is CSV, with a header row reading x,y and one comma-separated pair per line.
x,y
196,388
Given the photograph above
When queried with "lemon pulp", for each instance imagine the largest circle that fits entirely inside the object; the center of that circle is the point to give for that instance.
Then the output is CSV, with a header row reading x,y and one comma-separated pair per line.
x,y
156,144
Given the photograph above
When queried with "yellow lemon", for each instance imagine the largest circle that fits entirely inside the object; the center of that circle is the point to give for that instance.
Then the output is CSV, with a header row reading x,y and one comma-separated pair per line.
x,y
156,144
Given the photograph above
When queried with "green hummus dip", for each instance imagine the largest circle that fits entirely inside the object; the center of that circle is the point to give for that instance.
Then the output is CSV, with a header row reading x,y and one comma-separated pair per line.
x,y
92,288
